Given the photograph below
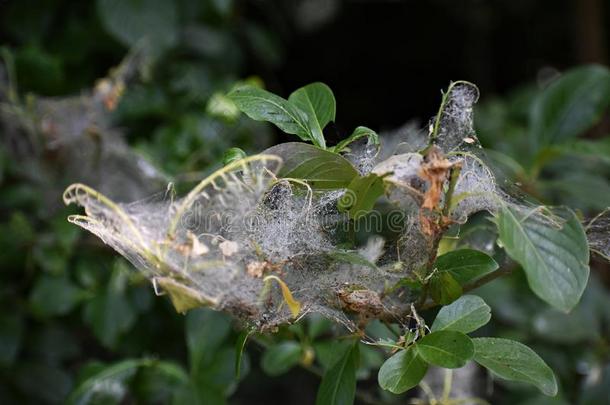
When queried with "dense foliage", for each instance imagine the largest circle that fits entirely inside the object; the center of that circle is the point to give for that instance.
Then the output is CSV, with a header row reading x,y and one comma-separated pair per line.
x,y
79,324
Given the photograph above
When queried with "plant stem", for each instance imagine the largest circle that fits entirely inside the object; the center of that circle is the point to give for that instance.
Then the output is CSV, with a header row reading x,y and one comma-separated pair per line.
x,y
474,285
455,174
503,271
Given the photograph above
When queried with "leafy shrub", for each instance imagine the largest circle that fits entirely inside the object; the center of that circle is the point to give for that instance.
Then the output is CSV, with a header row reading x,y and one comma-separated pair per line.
x,y
304,205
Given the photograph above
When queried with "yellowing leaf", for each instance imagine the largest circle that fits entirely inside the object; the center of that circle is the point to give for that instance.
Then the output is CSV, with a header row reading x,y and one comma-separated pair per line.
x,y
294,305
183,298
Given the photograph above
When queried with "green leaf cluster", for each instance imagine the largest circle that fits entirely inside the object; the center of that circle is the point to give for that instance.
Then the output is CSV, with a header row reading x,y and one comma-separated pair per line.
x,y
448,346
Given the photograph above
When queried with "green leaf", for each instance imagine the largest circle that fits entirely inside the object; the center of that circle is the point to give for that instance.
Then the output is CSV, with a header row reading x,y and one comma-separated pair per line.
x,y
514,361
598,148
361,195
216,380
130,21
261,105
555,260
579,326
328,352
465,265
107,383
465,315
206,331
110,313
318,102
359,132
319,168
338,385
570,105
318,325
54,296
240,345
446,348
160,383
575,189
402,371
280,358
232,154
444,289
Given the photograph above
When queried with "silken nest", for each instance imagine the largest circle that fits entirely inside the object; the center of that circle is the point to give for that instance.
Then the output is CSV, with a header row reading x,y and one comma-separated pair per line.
x,y
298,229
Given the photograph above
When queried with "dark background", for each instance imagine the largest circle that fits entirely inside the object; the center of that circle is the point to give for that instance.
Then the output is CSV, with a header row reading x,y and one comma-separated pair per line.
x,y
385,60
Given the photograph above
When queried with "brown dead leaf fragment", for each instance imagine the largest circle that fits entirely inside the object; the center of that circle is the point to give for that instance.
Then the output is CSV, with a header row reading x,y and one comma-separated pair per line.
x,y
435,171
361,301
366,303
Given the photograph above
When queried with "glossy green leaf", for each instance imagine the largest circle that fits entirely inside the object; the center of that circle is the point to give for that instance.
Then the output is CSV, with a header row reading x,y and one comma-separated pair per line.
x,y
338,385
444,289
318,102
261,105
465,315
514,361
555,260
402,371
280,358
361,195
571,104
320,168
446,348
465,265
359,132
